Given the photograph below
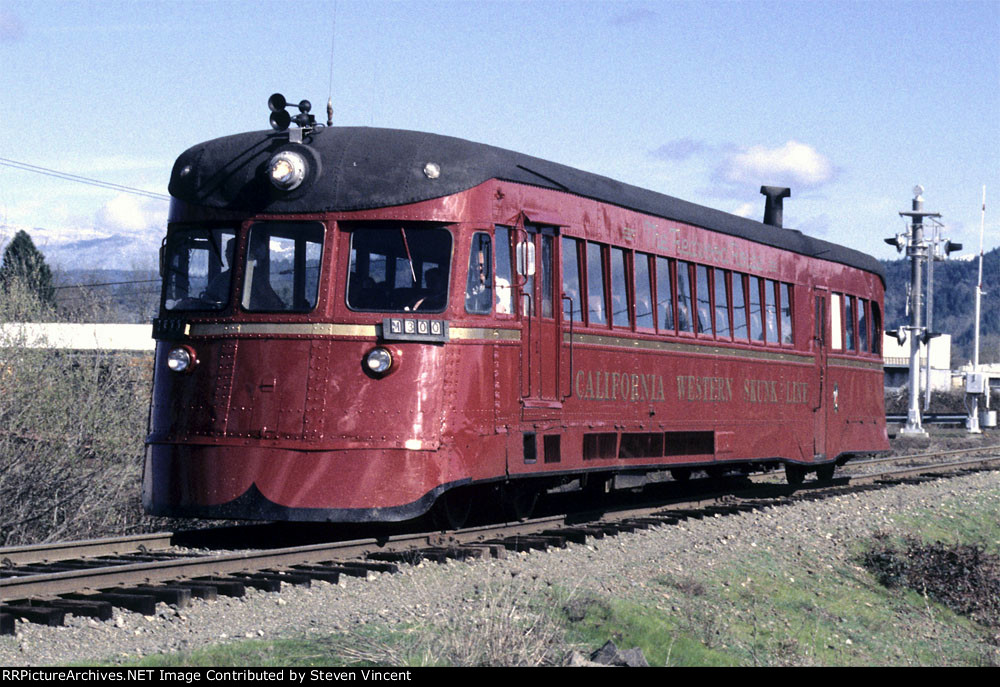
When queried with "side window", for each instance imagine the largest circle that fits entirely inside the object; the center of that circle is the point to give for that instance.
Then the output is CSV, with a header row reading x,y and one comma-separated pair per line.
x,y
721,304
685,323
643,293
619,290
704,298
595,285
786,314
771,310
571,281
503,278
664,296
836,325
876,329
862,325
548,273
479,287
756,313
739,307
849,322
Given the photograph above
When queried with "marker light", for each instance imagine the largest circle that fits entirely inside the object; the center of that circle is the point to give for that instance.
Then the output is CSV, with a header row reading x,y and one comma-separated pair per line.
x,y
378,360
287,170
181,359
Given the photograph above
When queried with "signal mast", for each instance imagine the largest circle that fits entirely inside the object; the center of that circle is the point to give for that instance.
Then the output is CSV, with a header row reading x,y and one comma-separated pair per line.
x,y
917,249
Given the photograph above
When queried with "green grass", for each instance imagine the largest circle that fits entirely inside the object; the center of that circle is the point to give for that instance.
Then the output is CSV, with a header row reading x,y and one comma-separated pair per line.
x,y
333,650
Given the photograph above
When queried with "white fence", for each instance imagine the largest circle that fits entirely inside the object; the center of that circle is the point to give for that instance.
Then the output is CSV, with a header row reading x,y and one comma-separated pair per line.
x,y
78,337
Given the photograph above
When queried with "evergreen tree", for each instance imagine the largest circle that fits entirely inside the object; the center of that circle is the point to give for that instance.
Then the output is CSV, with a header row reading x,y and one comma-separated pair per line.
x,y
23,264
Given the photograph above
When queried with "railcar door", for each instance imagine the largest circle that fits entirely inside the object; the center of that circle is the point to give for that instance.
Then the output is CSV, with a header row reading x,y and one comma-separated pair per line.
x,y
539,313
820,343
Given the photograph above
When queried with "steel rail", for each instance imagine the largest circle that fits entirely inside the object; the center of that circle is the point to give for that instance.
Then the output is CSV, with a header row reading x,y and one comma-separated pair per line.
x,y
61,551
920,456
47,584
986,461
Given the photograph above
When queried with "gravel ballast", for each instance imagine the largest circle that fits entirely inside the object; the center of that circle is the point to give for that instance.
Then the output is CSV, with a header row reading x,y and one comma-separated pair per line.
x,y
822,531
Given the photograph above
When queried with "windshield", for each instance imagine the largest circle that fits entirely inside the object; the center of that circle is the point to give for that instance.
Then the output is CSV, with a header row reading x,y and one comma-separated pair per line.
x,y
197,265
282,267
397,267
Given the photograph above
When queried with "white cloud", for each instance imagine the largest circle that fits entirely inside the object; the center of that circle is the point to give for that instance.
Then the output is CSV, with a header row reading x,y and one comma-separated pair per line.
x,y
130,213
793,164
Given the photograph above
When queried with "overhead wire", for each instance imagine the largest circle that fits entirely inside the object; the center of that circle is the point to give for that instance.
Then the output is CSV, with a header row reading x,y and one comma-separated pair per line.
x,y
66,176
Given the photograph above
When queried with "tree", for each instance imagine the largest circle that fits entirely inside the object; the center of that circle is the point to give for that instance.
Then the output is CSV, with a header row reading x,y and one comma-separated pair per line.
x,y
24,268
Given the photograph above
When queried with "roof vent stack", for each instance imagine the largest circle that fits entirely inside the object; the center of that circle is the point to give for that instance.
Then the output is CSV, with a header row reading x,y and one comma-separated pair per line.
x,y
773,204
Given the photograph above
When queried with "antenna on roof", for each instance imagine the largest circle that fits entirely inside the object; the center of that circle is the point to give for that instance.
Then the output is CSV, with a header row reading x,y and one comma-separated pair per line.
x,y
333,42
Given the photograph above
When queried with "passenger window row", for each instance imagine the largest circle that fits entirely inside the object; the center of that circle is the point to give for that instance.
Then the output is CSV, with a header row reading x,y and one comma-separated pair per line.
x,y
855,324
610,285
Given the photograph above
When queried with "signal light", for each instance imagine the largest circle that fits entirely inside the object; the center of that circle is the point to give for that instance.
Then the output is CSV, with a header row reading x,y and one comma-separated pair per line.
x,y
899,241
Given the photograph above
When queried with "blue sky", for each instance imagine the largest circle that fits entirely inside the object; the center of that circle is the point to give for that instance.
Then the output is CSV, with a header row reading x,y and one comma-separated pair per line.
x,y
849,103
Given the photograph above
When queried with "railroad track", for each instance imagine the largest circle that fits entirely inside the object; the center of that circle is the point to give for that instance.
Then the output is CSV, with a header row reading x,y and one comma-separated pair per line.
x,y
44,583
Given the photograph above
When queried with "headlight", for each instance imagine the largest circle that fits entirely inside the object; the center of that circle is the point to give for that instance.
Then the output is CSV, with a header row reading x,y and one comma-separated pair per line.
x,y
378,360
181,359
286,170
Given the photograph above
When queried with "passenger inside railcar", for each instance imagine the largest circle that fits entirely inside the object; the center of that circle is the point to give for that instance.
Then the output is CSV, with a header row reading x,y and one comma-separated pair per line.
x,y
257,291
217,290
479,289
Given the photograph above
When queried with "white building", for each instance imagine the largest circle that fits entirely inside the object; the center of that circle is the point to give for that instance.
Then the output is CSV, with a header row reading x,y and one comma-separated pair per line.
x,y
896,362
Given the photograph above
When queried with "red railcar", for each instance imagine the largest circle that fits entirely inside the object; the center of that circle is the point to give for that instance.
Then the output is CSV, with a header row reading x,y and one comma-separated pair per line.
x,y
358,323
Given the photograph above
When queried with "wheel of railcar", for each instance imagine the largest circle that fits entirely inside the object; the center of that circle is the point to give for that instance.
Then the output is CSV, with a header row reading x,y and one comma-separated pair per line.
x,y
452,509
794,474
824,473
596,488
715,472
681,474
517,501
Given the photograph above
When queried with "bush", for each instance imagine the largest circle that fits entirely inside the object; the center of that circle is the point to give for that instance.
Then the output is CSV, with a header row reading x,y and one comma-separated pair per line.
x,y
71,434
965,578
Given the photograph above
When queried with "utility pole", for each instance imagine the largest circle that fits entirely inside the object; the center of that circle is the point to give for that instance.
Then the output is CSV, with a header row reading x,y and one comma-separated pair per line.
x,y
975,384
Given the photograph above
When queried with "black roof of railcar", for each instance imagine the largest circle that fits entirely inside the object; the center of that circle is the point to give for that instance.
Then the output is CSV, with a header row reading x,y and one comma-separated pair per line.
x,y
362,168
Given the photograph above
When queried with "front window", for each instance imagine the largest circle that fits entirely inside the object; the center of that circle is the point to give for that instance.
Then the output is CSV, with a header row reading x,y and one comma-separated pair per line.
x,y
397,267
197,268
282,267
